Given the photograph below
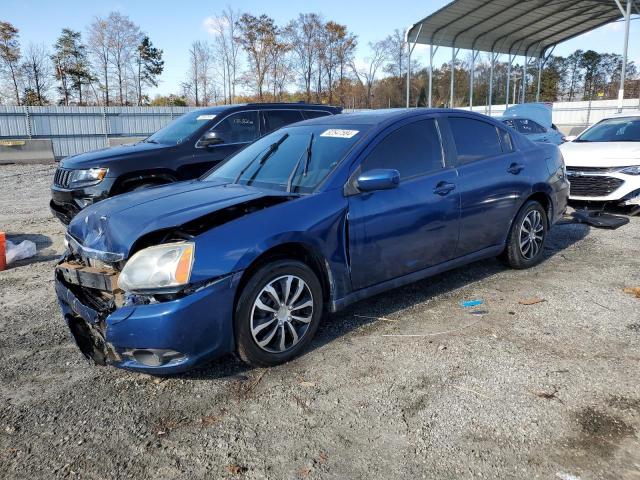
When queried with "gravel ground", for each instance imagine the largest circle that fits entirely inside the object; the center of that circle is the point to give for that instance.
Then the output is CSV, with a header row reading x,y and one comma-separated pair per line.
x,y
407,384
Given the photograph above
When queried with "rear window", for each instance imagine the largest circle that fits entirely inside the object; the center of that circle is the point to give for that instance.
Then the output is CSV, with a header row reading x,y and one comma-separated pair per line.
x,y
309,114
275,119
474,139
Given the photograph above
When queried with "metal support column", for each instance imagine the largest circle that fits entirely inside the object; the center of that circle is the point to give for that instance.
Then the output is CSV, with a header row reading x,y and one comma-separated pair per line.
x,y
432,52
506,97
494,57
409,52
454,54
627,21
539,79
524,80
474,56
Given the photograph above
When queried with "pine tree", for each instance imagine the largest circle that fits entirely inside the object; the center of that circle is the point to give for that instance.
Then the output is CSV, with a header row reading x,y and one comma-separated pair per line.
x,y
150,66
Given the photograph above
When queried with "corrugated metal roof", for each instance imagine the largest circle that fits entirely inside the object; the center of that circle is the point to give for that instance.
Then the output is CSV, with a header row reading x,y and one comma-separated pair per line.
x,y
519,27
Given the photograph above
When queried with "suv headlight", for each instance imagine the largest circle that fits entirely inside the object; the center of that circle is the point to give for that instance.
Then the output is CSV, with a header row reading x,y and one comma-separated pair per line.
x,y
160,267
85,178
635,170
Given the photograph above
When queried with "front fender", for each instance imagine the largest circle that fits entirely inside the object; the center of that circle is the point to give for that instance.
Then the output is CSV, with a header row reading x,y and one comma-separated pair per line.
x,y
315,221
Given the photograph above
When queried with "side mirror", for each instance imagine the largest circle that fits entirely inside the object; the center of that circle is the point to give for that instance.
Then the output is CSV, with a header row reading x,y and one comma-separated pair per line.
x,y
378,179
570,138
210,138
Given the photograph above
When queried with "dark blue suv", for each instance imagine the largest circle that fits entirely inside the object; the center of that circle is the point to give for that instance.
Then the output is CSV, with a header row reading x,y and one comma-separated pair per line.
x,y
183,150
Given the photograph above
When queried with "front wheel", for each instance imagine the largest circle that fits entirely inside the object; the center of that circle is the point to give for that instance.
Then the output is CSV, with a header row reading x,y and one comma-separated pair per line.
x,y
278,313
527,237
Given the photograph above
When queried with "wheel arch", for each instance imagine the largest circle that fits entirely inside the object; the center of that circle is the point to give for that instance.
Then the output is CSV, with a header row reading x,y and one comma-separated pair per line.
x,y
129,180
299,251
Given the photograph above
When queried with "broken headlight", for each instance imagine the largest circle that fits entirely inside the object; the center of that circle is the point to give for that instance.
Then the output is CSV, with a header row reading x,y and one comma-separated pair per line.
x,y
158,268
635,170
85,178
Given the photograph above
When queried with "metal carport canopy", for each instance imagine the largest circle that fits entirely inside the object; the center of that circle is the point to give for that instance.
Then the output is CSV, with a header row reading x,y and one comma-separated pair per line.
x,y
515,27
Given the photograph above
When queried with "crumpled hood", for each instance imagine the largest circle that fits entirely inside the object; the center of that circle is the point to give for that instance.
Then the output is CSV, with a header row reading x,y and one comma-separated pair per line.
x,y
115,224
601,154
104,156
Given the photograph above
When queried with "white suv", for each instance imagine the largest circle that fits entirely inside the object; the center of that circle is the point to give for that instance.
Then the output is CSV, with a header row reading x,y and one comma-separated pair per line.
x,y
603,162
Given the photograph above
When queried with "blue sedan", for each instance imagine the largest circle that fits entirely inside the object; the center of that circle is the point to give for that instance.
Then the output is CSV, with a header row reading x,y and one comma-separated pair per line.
x,y
306,220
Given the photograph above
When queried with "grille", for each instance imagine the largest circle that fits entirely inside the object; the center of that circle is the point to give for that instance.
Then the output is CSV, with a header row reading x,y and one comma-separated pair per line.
x,y
593,186
61,178
590,169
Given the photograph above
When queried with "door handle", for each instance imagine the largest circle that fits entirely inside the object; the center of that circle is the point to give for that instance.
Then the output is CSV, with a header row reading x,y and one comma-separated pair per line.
x,y
443,188
515,168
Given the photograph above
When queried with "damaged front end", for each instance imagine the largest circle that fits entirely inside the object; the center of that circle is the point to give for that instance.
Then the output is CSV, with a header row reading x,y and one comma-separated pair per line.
x,y
88,293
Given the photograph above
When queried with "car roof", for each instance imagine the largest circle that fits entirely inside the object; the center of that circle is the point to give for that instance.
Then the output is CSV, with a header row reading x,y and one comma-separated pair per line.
x,y
382,116
635,113
267,106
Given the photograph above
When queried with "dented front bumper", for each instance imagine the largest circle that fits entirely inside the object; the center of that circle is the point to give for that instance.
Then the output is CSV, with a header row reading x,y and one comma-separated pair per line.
x,y
164,337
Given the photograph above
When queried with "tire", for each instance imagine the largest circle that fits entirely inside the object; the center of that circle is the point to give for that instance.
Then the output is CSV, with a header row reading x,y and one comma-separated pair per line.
x,y
260,320
524,251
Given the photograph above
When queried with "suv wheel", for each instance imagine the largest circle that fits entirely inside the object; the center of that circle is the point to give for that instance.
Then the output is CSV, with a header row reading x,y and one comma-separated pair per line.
x,y
278,313
527,237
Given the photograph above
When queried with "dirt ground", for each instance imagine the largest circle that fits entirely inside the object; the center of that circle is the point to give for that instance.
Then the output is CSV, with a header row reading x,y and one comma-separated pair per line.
x,y
408,384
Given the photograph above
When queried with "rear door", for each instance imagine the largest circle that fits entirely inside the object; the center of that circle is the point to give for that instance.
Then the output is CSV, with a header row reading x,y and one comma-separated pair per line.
x,y
492,179
399,231
274,119
236,130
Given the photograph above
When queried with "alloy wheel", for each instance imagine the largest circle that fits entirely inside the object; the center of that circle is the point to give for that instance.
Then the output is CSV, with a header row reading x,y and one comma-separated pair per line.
x,y
281,314
531,235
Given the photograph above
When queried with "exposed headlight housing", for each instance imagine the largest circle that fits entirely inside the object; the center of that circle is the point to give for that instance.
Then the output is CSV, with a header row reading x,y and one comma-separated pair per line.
x,y
162,267
634,170
86,178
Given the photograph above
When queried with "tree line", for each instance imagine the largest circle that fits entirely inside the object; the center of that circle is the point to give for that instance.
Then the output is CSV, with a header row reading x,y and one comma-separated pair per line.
x,y
252,58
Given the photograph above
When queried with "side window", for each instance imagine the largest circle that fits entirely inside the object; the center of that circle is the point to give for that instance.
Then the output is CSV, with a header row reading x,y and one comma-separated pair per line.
x,y
413,149
505,141
474,139
241,127
529,127
275,119
308,114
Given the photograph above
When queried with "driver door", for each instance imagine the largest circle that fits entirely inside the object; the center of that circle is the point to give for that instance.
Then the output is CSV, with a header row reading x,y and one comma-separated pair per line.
x,y
413,226
236,131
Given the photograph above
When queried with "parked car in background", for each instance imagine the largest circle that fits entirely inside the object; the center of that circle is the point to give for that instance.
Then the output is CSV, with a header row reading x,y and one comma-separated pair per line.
x,y
534,121
603,162
184,149
310,218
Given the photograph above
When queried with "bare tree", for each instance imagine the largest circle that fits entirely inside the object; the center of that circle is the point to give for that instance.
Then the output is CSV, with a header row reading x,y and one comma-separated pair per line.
x,y
38,72
371,67
124,38
224,28
10,54
200,84
304,34
257,35
99,50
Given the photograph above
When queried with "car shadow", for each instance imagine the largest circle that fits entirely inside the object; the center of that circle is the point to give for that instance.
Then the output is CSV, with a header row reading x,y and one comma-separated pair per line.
x,y
42,242
386,304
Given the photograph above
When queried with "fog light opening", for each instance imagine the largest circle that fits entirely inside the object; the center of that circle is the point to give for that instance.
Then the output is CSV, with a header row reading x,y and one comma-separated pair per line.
x,y
154,357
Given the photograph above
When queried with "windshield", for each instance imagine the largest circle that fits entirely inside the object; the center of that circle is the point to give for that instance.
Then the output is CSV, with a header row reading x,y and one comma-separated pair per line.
x,y
295,159
181,129
626,129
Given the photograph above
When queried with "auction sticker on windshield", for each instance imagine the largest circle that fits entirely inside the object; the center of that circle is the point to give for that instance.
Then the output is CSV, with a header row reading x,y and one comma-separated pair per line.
x,y
205,117
339,133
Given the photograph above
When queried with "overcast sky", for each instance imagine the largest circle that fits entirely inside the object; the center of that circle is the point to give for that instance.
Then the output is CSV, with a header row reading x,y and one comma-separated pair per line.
x,y
172,26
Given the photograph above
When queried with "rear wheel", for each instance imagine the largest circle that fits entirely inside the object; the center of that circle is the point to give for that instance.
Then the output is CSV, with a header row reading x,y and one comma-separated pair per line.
x,y
527,237
278,313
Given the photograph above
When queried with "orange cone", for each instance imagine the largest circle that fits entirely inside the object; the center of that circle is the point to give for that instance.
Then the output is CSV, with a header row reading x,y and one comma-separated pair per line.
x,y
3,251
